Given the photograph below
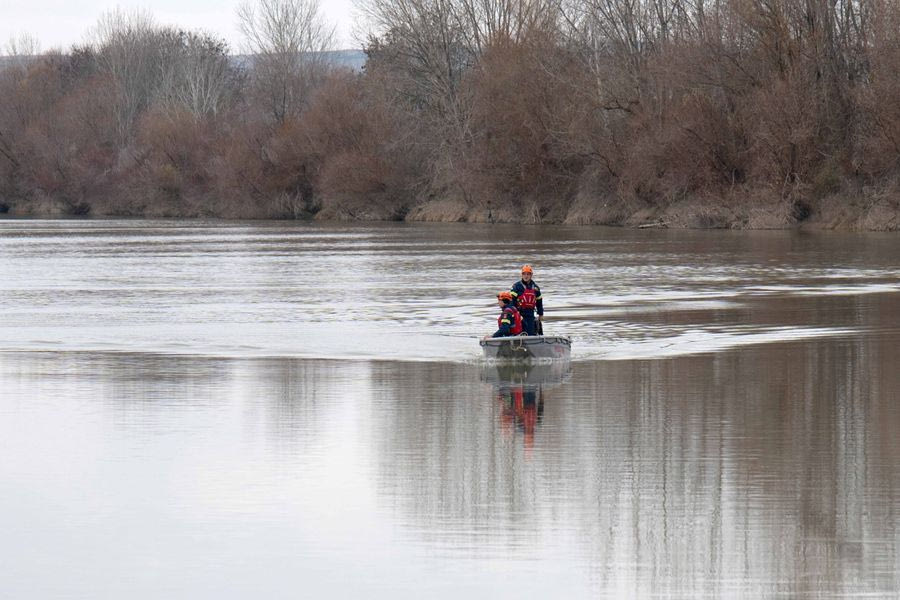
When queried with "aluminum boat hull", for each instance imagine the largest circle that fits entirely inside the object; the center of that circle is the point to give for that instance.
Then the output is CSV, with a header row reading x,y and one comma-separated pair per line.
x,y
528,348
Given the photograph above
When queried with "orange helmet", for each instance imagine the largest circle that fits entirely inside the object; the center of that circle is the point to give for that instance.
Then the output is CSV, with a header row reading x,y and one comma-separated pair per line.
x,y
527,269
506,296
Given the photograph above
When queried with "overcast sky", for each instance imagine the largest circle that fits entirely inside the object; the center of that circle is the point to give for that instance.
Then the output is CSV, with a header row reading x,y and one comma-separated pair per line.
x,y
61,23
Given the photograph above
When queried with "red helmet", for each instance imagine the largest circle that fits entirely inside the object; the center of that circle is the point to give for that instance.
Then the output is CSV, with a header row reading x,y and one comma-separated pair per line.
x,y
506,296
527,269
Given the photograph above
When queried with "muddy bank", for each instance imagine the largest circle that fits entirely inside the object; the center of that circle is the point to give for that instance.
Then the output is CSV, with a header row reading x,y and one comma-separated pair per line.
x,y
875,212
870,211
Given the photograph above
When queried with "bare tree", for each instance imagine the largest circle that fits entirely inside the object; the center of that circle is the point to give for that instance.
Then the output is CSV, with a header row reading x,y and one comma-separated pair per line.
x,y
429,48
498,22
195,72
424,47
13,110
20,51
427,38
129,54
287,39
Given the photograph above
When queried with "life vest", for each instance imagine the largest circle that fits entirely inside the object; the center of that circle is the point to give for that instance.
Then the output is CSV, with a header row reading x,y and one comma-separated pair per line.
x,y
527,299
516,325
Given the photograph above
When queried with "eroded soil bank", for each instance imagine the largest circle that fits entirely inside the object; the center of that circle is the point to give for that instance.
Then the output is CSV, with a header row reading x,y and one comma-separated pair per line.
x,y
862,212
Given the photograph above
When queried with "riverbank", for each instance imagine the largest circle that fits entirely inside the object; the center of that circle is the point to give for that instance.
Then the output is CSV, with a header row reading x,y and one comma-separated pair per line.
x,y
866,211
862,213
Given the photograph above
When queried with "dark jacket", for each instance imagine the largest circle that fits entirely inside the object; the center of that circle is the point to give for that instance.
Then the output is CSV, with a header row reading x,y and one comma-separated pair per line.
x,y
518,289
507,321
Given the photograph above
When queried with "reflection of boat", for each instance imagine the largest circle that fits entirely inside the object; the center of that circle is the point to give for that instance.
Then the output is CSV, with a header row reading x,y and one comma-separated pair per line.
x,y
528,347
519,387
526,373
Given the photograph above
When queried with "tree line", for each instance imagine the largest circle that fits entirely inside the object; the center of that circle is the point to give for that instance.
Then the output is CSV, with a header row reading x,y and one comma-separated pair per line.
x,y
519,110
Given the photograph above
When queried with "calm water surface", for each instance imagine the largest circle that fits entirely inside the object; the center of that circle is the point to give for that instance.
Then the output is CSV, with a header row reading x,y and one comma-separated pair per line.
x,y
193,409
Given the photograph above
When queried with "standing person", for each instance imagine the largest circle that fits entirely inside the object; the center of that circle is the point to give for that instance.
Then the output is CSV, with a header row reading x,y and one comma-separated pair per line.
x,y
527,296
509,322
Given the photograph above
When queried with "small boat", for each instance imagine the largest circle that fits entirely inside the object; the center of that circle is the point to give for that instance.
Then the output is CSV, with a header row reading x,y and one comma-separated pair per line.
x,y
528,347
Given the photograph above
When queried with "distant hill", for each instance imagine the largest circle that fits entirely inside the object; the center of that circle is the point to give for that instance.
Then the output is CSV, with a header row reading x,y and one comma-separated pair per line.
x,y
352,59
8,61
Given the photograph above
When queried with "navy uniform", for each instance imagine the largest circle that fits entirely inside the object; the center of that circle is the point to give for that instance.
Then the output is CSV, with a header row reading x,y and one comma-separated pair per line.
x,y
528,299
509,322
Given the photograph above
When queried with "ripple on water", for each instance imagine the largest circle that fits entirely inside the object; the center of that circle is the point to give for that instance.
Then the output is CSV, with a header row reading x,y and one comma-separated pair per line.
x,y
419,292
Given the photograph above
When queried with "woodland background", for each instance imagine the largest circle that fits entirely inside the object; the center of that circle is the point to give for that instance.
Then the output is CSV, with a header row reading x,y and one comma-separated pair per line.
x,y
680,113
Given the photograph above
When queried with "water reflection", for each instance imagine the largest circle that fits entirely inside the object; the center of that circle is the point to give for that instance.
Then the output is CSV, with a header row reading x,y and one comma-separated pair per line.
x,y
541,373
754,474
521,409
518,389
760,473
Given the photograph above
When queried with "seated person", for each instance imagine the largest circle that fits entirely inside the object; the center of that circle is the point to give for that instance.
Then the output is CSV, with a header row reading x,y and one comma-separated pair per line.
x,y
509,321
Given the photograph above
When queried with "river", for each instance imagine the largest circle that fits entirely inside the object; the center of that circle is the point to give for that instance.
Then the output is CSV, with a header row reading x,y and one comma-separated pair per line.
x,y
229,410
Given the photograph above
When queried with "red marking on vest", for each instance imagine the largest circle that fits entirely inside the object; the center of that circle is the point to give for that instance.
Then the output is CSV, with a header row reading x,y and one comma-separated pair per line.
x,y
527,299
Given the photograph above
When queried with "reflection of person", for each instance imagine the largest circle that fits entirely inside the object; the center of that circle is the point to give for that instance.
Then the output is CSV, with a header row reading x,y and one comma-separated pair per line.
x,y
528,413
522,406
507,412
510,321
528,298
